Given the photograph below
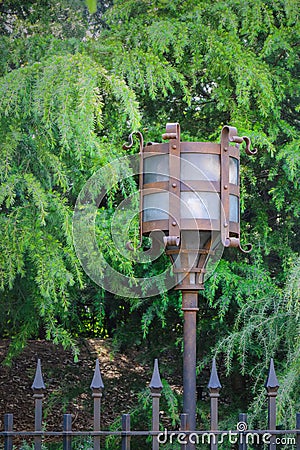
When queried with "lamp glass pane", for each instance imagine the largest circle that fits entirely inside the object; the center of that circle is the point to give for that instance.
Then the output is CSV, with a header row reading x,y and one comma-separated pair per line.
x,y
200,166
200,205
156,168
234,208
233,171
156,206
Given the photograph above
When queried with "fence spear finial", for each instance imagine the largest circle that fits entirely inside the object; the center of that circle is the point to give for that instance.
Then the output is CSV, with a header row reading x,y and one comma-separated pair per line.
x,y
272,383
97,383
38,383
155,383
156,388
214,382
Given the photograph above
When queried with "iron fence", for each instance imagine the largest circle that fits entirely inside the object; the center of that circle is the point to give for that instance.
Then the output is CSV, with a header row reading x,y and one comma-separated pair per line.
x,y
240,438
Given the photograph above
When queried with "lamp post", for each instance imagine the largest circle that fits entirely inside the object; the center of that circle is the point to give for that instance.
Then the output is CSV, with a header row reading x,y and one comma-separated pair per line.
x,y
190,192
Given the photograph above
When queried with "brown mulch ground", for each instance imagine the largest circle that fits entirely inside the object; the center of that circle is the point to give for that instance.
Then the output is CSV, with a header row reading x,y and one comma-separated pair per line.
x,y
68,384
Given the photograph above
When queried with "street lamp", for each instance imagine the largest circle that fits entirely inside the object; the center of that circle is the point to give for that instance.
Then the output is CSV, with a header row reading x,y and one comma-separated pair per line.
x,y
190,192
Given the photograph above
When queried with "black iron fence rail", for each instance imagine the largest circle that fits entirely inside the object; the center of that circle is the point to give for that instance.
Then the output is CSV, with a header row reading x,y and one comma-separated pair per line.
x,y
143,433
242,436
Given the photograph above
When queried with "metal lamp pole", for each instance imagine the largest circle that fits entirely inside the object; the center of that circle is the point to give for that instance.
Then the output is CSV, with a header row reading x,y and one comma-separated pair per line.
x,y
189,308
190,191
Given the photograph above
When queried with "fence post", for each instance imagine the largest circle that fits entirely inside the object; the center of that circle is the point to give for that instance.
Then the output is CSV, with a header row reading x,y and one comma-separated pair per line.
x,y
298,431
97,387
272,386
67,426
125,427
242,426
8,426
38,387
183,427
214,387
156,388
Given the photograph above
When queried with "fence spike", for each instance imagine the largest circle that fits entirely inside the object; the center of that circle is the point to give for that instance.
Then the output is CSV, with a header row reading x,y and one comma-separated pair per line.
x,y
38,387
156,388
97,387
97,383
214,382
38,383
214,387
155,383
272,384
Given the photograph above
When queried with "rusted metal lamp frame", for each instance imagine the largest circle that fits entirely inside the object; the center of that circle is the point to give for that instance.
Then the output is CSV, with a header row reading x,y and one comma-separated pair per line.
x,y
223,189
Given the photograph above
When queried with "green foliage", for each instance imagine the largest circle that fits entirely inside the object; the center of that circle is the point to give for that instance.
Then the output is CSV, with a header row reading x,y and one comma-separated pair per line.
x,y
92,6
258,321
52,134
72,87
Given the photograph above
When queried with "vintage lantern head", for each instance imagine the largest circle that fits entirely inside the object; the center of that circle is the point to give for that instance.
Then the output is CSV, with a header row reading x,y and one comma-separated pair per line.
x,y
190,192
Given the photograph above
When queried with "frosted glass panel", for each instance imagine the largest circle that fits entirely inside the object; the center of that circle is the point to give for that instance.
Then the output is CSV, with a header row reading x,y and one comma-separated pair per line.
x,y
233,171
200,205
156,168
233,208
156,206
199,166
